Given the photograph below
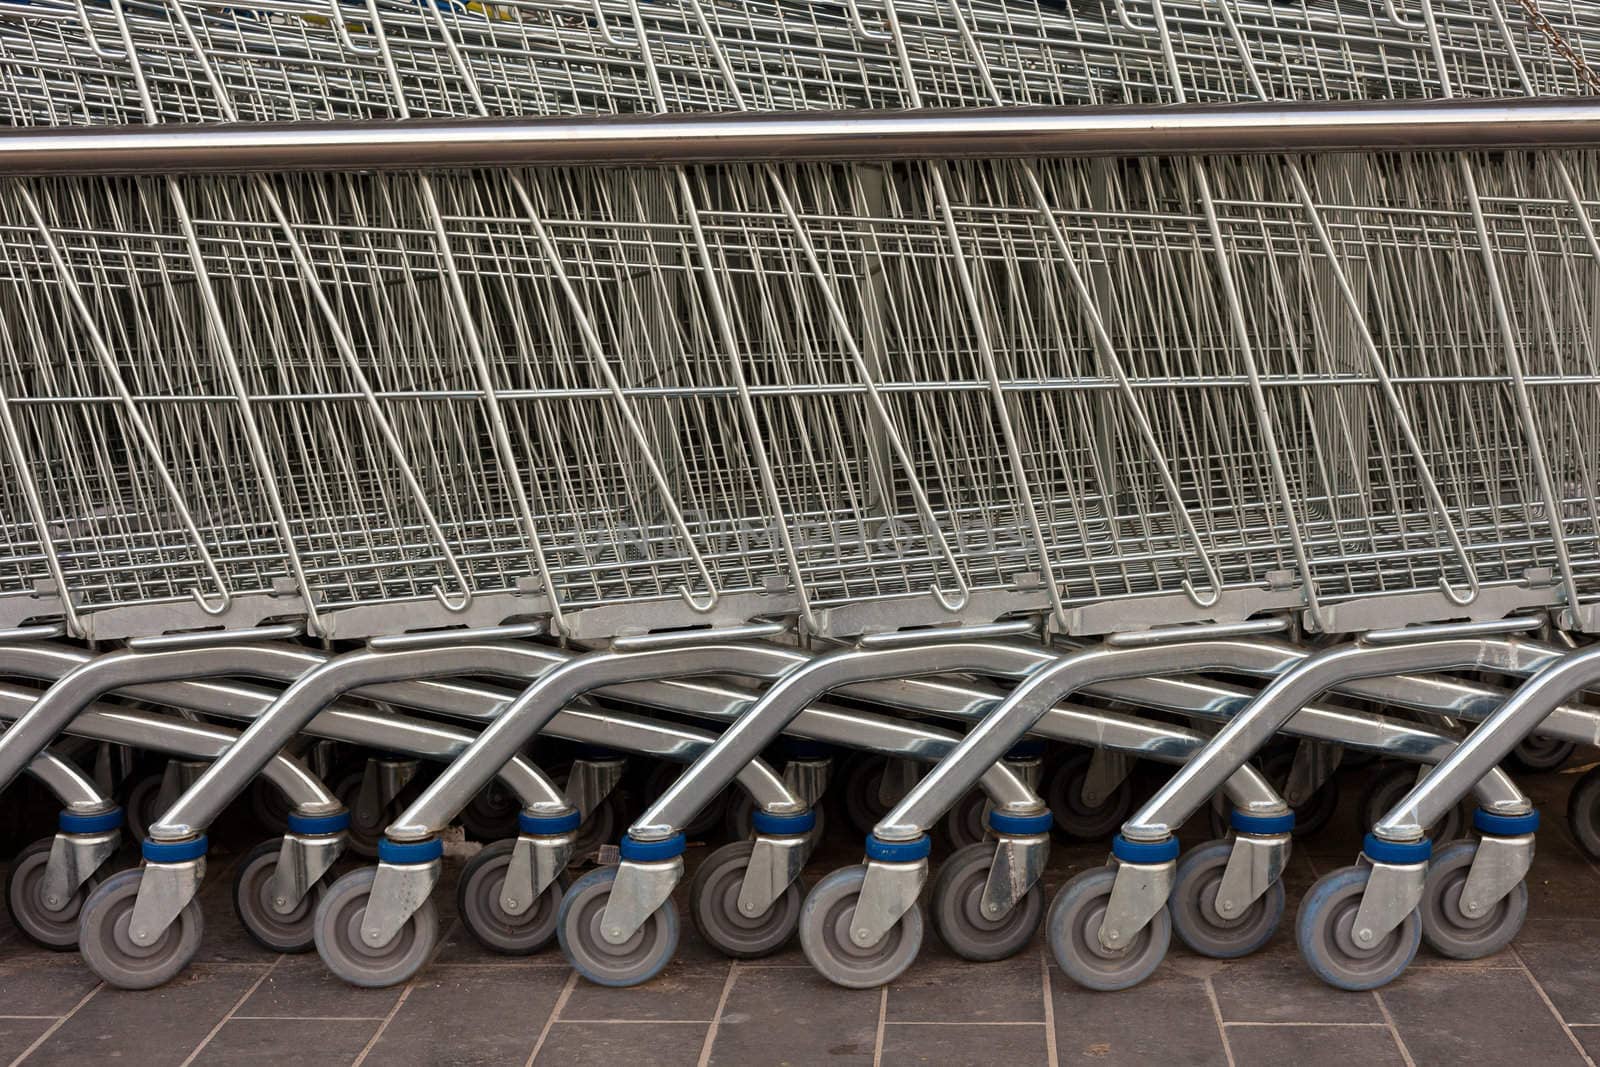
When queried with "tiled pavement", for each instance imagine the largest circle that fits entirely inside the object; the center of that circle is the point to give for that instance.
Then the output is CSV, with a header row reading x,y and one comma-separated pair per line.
x,y
1538,1001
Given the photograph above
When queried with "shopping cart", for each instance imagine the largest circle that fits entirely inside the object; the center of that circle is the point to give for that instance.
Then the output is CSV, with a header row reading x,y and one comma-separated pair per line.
x,y
796,426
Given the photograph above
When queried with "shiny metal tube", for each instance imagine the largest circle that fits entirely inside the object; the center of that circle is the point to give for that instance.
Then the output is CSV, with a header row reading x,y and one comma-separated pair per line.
x,y
1490,743
172,737
1420,125
74,789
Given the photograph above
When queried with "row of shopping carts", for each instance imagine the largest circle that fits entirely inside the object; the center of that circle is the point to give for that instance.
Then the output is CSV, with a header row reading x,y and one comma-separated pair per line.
x,y
743,464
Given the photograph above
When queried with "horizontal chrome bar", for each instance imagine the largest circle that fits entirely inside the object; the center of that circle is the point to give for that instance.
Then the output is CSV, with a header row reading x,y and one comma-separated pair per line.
x,y
935,634
801,136
1167,635
459,636
691,638
1439,631
207,638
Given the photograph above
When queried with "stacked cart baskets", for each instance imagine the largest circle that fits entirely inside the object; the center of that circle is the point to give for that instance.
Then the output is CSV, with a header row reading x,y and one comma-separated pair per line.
x,y
417,412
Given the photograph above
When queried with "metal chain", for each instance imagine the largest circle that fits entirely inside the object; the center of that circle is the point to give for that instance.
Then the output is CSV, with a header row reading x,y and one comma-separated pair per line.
x,y
1559,43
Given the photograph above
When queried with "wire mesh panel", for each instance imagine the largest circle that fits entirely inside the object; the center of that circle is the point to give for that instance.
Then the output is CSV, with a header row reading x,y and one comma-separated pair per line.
x,y
828,389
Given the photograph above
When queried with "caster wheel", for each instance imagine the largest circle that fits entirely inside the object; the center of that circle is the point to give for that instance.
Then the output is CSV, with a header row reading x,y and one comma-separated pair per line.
x,y
104,943
1389,787
270,808
139,810
956,908
1583,813
825,935
1193,906
338,935
252,902
366,828
1076,818
863,789
1325,931
1451,932
711,821
1317,810
492,814
739,823
967,823
52,928
636,960
1539,754
478,904
1074,931
714,907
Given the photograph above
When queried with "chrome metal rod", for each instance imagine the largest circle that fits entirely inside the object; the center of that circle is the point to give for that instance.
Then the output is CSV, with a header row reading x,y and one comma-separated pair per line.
x,y
802,136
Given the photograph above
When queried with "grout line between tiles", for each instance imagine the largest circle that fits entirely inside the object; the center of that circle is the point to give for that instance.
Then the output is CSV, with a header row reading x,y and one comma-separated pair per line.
x,y
1550,1004
1052,1052
716,1019
1359,1026
637,1022
372,1042
883,1015
217,1029
1216,1015
960,1022
58,1024
555,1013
1394,1031
308,1018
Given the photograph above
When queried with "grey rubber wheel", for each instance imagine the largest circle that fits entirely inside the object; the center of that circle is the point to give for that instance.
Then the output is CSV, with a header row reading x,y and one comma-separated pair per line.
x,y
1193,906
1074,931
967,823
478,904
491,816
52,928
139,810
956,909
825,935
252,903
1388,787
269,807
1080,819
1539,754
366,828
1324,930
1583,813
109,951
635,961
863,788
338,931
1451,932
714,907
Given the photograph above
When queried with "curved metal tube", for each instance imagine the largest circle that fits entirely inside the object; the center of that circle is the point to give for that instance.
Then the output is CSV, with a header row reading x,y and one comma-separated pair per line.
x,y
173,737
1489,744
1444,696
55,709
1344,726
1018,713
789,695
1252,728
297,706
76,791
397,733
539,703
